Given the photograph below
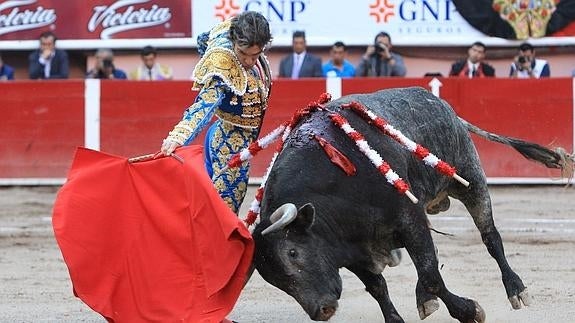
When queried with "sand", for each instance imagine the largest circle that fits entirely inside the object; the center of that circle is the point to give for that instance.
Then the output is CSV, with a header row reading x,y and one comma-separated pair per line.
x,y
537,224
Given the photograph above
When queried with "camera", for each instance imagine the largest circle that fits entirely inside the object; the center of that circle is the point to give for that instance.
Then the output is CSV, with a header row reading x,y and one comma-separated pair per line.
x,y
107,63
380,48
522,59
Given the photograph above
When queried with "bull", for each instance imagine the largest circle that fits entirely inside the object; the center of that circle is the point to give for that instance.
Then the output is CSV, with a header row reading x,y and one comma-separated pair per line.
x,y
315,219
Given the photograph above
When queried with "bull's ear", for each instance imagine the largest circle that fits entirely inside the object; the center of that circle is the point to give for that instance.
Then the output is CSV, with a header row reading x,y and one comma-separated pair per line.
x,y
305,217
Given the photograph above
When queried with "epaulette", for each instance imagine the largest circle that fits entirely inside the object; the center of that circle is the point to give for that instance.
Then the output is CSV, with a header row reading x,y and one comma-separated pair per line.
x,y
221,62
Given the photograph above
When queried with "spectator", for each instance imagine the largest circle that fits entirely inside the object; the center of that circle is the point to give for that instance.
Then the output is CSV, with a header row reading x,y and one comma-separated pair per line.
x,y
473,66
6,71
338,65
525,65
48,62
104,68
150,70
300,63
379,60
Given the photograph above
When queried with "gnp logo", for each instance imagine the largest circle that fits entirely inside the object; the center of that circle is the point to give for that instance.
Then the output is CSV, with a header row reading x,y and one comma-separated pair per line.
x,y
226,9
411,10
381,10
274,10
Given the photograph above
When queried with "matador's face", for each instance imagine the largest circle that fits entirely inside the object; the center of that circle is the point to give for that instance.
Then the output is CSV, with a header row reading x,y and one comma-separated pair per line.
x,y
248,56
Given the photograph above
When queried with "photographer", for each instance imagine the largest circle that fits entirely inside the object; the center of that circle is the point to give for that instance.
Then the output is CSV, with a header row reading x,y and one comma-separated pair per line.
x,y
379,60
525,65
104,67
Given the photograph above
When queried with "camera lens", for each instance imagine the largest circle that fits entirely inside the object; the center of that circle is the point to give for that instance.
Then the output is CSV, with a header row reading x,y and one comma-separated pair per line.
x,y
107,63
522,59
379,47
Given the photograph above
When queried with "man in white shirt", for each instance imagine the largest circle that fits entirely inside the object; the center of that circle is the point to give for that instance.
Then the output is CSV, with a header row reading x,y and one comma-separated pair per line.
x,y
150,70
525,65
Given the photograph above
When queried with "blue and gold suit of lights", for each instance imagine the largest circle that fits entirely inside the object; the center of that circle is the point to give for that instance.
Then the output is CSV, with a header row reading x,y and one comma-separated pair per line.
x,y
238,98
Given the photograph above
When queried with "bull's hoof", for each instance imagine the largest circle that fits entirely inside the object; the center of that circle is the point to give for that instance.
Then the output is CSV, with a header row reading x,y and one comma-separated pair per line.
x,y
479,314
428,308
523,297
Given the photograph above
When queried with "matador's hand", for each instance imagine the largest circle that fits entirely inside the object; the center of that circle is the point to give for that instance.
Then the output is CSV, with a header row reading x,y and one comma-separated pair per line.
x,y
168,146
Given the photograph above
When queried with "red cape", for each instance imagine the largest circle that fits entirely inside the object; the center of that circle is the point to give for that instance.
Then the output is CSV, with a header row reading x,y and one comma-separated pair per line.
x,y
152,240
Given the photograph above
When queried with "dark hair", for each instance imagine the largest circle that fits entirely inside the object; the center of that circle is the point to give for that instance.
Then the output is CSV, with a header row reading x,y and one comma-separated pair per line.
x,y
525,47
147,51
298,34
339,44
250,28
479,44
47,34
381,34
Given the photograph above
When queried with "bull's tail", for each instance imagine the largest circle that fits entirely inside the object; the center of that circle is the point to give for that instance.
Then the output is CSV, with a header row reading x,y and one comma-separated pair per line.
x,y
558,158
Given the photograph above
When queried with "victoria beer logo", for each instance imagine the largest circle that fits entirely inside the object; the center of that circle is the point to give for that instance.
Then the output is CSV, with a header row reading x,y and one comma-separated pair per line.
x,y
14,18
122,15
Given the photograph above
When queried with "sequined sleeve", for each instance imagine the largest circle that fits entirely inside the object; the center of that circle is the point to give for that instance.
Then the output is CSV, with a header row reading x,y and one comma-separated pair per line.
x,y
199,114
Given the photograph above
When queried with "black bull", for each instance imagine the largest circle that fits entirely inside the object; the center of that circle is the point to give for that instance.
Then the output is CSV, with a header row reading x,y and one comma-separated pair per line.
x,y
328,220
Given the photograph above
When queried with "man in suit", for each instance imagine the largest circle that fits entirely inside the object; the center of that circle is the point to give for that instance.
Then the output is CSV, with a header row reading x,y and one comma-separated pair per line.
x,y
300,63
473,66
48,62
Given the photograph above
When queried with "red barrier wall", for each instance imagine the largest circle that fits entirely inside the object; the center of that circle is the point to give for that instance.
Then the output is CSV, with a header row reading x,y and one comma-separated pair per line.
x,y
43,122
533,110
137,116
40,124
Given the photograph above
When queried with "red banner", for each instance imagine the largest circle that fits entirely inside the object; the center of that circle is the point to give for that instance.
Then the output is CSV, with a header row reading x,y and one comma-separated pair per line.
x,y
95,19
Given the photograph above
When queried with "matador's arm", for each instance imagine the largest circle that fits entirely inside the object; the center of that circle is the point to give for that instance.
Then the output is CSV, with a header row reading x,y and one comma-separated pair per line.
x,y
199,114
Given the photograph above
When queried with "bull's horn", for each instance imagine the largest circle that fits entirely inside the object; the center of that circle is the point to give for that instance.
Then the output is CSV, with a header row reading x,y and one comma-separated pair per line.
x,y
283,216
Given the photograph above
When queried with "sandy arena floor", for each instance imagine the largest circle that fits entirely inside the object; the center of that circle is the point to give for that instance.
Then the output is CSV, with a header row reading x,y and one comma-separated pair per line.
x,y
537,224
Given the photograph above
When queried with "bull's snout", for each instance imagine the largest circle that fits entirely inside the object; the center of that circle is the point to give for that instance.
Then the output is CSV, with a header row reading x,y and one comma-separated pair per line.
x,y
325,311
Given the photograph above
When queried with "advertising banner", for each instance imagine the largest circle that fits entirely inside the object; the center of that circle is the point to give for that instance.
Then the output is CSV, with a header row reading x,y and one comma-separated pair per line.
x,y
410,22
176,23
95,19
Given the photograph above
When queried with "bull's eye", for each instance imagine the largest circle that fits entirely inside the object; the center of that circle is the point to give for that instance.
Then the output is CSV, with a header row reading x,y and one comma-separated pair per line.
x,y
292,253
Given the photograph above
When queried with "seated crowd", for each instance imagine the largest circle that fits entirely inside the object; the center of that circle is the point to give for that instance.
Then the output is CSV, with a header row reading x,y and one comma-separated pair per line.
x,y
50,62
378,60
